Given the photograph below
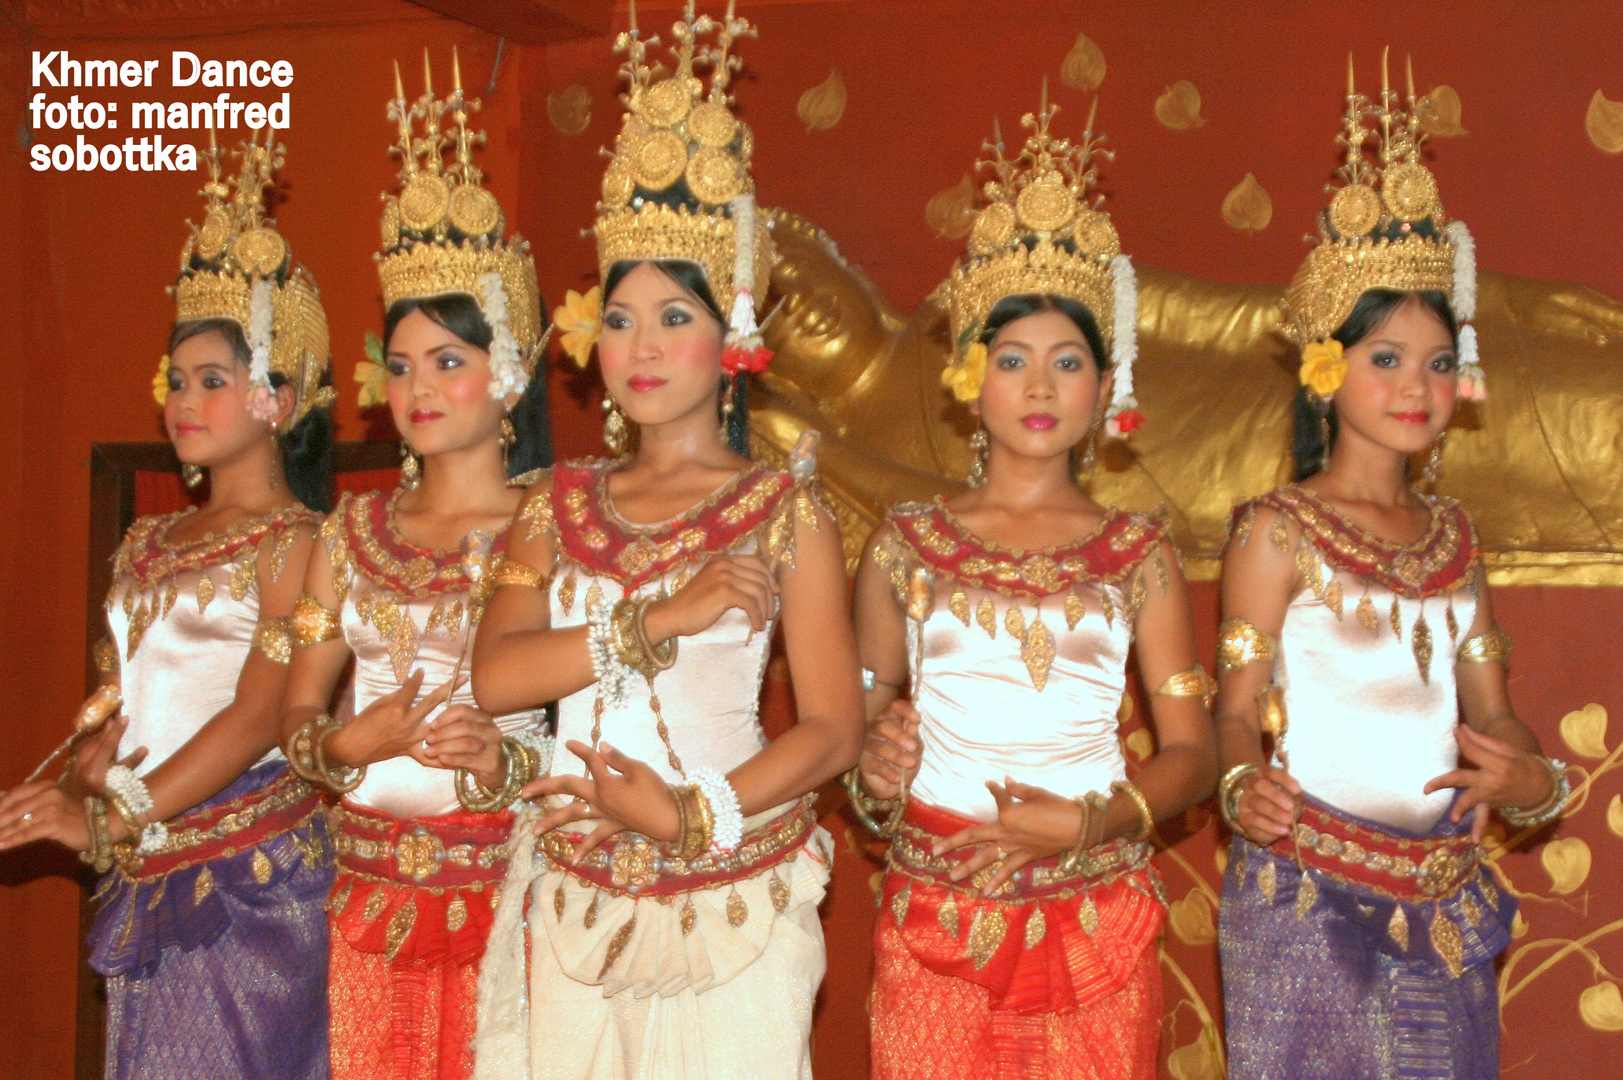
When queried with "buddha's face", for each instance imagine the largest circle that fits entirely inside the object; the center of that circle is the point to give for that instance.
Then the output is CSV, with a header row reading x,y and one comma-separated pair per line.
x,y
829,324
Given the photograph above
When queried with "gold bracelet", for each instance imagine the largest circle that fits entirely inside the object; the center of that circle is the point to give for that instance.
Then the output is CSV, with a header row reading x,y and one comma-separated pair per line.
x,y
99,856
661,656
1240,643
312,622
132,821
1146,823
274,638
513,572
696,820
1548,808
1192,683
865,806
478,799
1493,645
1228,792
307,756
623,632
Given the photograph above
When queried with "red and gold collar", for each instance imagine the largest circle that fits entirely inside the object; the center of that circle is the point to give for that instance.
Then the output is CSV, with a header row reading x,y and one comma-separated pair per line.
x,y
367,524
148,557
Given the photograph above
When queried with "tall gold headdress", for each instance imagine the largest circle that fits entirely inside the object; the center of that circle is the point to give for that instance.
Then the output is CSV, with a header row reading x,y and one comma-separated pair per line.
x,y
1042,232
442,234
1384,229
678,185
236,266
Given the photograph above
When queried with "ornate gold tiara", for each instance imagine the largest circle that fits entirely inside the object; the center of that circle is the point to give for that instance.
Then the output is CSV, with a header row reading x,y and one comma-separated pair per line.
x,y
442,233
678,184
1041,232
1384,227
236,266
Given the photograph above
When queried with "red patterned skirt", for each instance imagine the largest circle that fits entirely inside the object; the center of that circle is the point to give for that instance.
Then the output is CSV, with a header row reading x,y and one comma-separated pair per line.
x,y
1055,976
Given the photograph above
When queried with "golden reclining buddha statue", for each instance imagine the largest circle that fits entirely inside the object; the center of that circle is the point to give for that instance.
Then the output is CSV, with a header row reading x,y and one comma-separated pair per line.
x,y
1539,465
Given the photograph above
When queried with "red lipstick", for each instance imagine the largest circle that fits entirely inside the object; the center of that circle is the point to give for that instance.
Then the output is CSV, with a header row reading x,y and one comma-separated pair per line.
x,y
643,383
1039,421
1412,417
425,416
185,429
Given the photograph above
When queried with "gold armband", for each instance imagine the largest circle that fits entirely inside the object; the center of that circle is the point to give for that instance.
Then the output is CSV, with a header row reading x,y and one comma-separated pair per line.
x,y
1192,683
1239,643
1493,645
513,572
313,622
1146,818
105,656
274,638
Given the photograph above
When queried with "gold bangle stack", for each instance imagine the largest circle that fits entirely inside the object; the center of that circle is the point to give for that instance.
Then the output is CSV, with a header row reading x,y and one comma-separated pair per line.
x,y
1091,833
1228,792
628,626
307,756
132,821
1547,809
99,856
518,768
1146,818
696,822
866,806
1240,643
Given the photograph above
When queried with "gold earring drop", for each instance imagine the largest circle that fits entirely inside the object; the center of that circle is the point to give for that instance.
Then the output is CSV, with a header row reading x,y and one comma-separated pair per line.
x,y
616,432
1434,463
729,402
980,447
276,460
507,437
411,467
1090,454
192,476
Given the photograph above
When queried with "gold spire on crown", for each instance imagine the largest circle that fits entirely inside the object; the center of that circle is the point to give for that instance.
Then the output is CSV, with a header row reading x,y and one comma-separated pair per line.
x,y
678,184
1384,227
442,233
236,266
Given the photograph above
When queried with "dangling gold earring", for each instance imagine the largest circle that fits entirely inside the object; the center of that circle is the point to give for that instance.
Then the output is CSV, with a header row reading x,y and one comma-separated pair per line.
x,y
1434,463
616,433
1090,454
276,460
507,438
192,476
411,468
980,445
729,401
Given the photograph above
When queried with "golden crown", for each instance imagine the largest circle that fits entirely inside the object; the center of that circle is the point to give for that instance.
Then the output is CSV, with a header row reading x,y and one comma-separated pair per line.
x,y
442,233
236,266
1042,232
678,185
1384,227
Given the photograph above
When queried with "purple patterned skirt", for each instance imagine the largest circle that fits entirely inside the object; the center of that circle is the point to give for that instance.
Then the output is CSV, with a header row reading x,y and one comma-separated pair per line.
x,y
215,951
1358,951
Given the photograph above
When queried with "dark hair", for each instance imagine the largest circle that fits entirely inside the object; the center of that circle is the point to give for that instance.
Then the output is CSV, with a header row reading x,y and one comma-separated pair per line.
x,y
690,277
1010,308
462,316
1314,431
306,446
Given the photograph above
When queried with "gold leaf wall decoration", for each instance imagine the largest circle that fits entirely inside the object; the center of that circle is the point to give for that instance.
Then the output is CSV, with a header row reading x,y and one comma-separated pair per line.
x,y
1194,1061
1179,107
570,110
1614,815
950,212
1439,113
1084,66
822,106
1584,730
1248,207
1191,919
1601,1006
1141,743
1604,123
1567,861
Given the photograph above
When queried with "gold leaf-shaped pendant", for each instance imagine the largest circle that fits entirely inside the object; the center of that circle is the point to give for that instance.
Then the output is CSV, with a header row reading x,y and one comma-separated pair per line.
x,y
1468,904
1037,651
262,866
689,916
1074,610
453,617
959,606
1108,606
1268,880
558,900
617,945
1420,640
1397,928
436,616
1366,615
738,912
1308,565
1395,617
1307,894
947,915
566,592
986,933
1453,624
205,591
1014,621
170,595
1135,599
1449,943
242,576
157,894
1036,927
589,920
203,885
399,928
986,615
594,597
1280,535
1088,916
1332,597
899,903
456,914
779,893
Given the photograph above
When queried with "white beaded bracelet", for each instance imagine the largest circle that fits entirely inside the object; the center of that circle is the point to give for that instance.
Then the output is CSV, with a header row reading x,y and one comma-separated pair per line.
x,y
612,674
727,815
132,791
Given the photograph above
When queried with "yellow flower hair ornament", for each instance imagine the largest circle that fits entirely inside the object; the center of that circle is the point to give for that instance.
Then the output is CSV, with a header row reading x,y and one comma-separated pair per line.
x,y
580,320
1324,367
965,379
372,374
160,381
